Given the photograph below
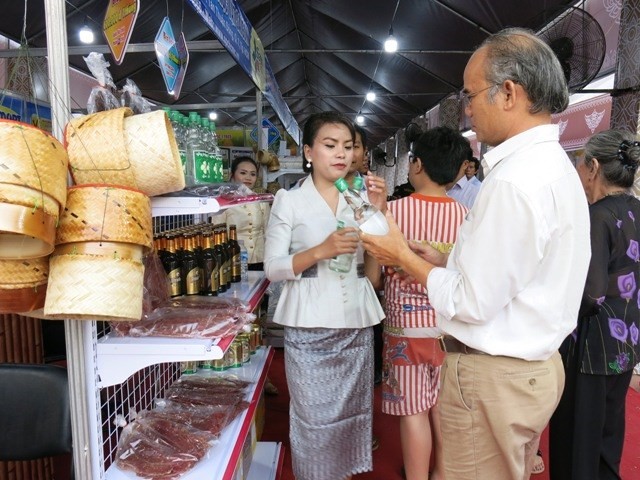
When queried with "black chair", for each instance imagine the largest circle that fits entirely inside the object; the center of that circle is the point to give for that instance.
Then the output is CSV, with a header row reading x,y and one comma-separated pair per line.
x,y
35,416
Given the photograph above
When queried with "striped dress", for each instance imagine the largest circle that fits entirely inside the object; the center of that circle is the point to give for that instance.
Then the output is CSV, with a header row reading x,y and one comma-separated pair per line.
x,y
411,356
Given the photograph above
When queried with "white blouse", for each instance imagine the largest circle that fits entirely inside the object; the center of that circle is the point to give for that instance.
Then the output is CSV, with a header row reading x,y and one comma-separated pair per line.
x,y
301,219
250,220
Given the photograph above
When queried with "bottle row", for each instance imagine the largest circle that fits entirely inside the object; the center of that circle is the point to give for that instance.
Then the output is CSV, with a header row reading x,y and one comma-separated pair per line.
x,y
197,142
202,259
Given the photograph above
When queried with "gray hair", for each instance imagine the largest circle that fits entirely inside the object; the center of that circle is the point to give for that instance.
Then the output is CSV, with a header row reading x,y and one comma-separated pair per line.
x,y
618,153
519,55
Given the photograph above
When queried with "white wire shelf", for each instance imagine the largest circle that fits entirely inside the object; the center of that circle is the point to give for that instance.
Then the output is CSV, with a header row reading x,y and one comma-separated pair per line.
x,y
120,357
220,463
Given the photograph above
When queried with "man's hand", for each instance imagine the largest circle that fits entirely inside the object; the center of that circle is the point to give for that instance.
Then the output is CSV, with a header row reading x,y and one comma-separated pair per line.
x,y
386,249
429,253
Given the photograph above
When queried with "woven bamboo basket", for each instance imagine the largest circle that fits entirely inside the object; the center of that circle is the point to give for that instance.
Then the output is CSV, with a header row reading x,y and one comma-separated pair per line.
x,y
32,158
115,148
96,148
29,197
95,281
106,213
23,284
153,152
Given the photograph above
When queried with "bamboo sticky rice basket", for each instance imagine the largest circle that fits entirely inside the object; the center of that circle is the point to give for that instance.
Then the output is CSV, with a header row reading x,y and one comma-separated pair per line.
x,y
23,284
33,190
113,147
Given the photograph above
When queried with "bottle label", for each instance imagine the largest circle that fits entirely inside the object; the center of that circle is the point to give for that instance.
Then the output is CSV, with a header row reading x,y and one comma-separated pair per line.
x,y
215,281
175,287
203,167
236,267
193,282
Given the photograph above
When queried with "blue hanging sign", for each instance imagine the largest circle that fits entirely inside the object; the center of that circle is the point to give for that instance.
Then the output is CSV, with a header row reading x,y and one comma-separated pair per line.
x,y
167,54
273,134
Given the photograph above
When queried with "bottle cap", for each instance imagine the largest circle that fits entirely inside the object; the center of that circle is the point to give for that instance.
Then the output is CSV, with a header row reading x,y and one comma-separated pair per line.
x,y
358,183
341,184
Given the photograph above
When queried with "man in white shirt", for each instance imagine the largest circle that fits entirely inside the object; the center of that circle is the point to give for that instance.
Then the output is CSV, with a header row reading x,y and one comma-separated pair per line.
x,y
512,286
466,187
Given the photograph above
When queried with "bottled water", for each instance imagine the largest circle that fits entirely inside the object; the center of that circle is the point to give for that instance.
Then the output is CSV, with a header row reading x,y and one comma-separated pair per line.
x,y
341,263
367,216
244,262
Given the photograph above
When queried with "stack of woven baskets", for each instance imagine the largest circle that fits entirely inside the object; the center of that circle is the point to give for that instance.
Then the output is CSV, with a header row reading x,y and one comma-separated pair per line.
x,y
85,243
117,160
33,192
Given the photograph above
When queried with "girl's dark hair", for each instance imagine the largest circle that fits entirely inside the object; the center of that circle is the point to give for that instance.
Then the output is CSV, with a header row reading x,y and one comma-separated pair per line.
x,y
618,153
236,163
442,151
313,125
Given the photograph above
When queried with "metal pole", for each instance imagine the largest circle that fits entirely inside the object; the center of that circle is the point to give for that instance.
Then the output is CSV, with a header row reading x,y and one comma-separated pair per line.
x,y
58,65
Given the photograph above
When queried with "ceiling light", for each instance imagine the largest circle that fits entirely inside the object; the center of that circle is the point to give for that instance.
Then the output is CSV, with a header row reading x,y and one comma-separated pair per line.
x,y
359,119
213,116
390,44
371,96
85,34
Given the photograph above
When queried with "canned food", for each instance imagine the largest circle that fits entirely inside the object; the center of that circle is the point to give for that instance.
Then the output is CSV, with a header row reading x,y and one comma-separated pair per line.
x,y
233,356
206,364
189,368
256,333
244,338
219,365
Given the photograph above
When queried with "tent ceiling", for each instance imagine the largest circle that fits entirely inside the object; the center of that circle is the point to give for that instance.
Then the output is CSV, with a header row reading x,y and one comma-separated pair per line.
x,y
326,54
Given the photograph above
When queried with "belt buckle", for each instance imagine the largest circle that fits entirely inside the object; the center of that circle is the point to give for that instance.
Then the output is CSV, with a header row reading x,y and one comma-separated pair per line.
x,y
443,346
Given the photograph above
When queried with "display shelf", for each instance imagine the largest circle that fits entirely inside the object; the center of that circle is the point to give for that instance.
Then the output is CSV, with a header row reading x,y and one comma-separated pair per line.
x,y
190,204
271,176
120,357
267,461
221,461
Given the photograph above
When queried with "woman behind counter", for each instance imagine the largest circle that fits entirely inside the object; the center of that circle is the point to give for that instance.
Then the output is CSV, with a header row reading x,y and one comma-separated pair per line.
x,y
328,316
587,429
250,219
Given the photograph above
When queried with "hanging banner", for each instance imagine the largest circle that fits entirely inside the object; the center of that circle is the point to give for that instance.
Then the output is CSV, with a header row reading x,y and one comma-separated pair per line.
x,y
17,108
167,54
273,134
117,25
231,26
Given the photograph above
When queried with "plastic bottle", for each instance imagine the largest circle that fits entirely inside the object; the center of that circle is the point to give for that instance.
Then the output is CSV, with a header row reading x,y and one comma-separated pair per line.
x,y
180,134
341,263
218,166
244,262
368,217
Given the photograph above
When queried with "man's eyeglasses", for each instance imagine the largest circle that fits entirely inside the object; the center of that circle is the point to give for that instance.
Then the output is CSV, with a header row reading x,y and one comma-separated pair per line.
x,y
467,97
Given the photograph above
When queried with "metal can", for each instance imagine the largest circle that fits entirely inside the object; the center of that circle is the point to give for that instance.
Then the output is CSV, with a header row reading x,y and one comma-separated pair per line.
x,y
189,368
233,356
219,365
206,364
256,334
244,338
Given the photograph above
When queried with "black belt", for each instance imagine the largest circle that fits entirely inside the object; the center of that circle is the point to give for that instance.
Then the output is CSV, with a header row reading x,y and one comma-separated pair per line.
x,y
451,344
312,271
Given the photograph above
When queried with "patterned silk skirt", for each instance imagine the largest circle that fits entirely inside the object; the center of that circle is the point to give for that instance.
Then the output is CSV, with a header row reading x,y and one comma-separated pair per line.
x,y
330,380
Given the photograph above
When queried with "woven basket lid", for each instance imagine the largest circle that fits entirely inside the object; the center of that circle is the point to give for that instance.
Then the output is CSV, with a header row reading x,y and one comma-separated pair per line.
x,y
23,284
32,158
94,287
23,273
25,232
21,300
97,151
105,213
153,153
30,198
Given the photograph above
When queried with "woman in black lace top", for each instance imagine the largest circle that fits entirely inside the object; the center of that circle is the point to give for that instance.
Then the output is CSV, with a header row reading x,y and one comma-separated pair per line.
x,y
587,429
